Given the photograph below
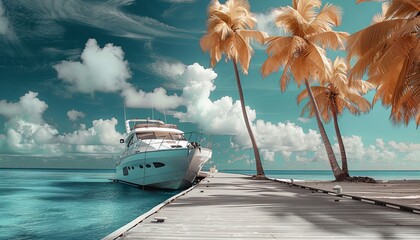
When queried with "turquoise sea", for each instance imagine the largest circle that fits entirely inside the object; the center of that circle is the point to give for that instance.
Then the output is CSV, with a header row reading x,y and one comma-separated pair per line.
x,y
84,204
68,204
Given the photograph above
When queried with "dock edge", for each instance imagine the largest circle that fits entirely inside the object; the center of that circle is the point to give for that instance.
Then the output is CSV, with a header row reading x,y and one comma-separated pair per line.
x,y
120,232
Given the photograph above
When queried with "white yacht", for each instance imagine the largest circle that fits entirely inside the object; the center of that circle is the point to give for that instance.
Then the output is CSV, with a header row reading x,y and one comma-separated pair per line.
x,y
158,155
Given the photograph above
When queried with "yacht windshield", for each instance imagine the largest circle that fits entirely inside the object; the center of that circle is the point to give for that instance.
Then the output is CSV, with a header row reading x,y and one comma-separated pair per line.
x,y
160,135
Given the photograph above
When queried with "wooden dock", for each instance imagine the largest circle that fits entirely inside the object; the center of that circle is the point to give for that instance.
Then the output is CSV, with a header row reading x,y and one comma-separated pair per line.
x,y
231,206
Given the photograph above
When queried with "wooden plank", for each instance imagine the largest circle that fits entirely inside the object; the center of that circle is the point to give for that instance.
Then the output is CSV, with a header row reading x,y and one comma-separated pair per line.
x,y
229,206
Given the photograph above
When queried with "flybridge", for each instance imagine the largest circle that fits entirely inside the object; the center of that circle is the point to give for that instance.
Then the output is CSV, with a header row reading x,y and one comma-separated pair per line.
x,y
144,123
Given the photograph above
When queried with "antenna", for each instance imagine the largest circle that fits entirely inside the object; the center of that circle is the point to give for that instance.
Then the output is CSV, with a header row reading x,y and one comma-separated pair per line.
x,y
125,113
164,113
127,129
153,113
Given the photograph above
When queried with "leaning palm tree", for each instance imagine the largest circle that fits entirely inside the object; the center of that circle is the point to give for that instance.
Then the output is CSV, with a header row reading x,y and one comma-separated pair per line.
x,y
229,31
302,53
333,97
389,52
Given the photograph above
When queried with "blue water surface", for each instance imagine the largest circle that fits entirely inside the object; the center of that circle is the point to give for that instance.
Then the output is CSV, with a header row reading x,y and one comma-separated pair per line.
x,y
84,204
68,204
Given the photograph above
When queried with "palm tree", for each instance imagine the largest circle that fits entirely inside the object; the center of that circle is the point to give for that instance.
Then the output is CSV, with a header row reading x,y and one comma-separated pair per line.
x,y
389,52
302,53
333,97
229,31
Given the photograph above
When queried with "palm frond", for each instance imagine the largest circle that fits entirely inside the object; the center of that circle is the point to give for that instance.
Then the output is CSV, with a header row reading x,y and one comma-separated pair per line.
x,y
396,51
211,43
363,41
292,22
387,84
243,52
285,45
330,39
259,36
306,8
285,76
403,9
361,86
406,109
328,17
273,64
380,17
411,27
302,95
319,65
229,31
280,50
402,86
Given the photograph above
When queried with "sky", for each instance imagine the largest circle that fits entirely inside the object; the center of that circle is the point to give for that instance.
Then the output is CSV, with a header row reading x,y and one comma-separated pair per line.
x,y
68,67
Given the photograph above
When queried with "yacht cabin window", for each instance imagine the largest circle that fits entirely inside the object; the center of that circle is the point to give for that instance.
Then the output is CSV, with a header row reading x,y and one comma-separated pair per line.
x,y
160,135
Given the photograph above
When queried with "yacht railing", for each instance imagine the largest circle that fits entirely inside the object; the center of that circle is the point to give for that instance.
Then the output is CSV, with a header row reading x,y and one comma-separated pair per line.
x,y
195,139
198,137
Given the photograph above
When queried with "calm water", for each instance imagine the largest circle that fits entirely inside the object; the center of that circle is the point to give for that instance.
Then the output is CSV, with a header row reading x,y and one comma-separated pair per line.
x,y
68,204
84,204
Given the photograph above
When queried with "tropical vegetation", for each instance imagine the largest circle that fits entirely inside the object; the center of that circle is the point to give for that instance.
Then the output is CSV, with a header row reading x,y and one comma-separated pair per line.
x,y
302,54
389,52
333,97
229,31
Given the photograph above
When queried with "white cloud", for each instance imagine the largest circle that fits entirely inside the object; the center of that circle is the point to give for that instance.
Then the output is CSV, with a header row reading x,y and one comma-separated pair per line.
x,y
4,22
242,157
170,70
73,115
413,156
29,108
302,159
265,22
404,147
101,69
304,120
107,15
157,99
179,1
286,154
391,155
72,54
380,143
286,137
267,155
102,132
27,133
25,129
224,116
354,147
105,70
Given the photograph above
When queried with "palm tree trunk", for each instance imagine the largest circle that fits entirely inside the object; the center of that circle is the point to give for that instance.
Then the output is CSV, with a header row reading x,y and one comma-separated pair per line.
x,y
341,145
259,167
338,174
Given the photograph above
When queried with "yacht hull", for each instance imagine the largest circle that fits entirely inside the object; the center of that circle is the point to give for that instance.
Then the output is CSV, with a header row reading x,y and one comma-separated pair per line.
x,y
168,169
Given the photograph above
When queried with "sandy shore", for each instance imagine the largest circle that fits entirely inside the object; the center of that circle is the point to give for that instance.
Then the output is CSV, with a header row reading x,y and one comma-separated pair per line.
x,y
403,192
